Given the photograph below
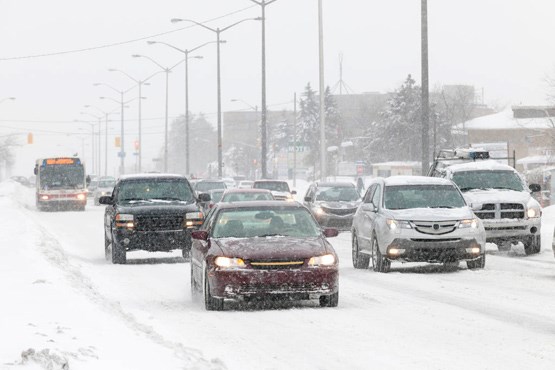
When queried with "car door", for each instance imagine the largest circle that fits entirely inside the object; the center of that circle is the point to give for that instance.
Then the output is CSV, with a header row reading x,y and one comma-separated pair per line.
x,y
109,214
200,248
363,219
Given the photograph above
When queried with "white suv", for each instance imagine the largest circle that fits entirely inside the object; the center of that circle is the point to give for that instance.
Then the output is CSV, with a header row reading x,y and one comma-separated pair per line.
x,y
416,219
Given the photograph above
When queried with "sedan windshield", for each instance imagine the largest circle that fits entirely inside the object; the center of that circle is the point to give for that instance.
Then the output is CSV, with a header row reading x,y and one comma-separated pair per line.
x,y
262,222
205,186
338,194
470,180
272,185
422,196
154,189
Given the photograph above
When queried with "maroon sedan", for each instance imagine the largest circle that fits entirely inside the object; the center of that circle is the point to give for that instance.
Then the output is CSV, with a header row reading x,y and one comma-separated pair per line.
x,y
263,249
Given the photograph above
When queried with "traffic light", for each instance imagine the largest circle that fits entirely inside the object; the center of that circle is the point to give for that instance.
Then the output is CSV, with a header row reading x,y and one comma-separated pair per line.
x,y
136,145
118,142
30,138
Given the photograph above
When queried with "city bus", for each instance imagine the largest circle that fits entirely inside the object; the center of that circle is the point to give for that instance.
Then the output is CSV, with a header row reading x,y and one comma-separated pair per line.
x,y
61,184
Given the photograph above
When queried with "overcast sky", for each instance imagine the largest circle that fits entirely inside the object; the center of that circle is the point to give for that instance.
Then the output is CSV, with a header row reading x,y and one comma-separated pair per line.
x,y
504,47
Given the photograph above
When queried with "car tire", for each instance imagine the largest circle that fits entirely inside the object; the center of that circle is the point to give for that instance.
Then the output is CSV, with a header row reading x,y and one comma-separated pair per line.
x,y
360,261
211,303
186,253
331,300
478,263
119,255
107,253
532,244
194,288
379,262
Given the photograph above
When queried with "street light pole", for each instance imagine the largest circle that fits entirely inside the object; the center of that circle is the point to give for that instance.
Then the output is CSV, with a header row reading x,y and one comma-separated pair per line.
x,y
425,88
322,94
217,31
264,113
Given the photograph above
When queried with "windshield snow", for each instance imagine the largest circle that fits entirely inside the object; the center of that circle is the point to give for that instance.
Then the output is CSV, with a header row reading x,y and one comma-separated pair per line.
x,y
337,194
422,196
470,180
149,189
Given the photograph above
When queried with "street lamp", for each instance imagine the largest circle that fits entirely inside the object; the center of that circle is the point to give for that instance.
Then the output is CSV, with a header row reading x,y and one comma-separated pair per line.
x,y
264,118
8,98
322,92
106,114
254,108
122,103
186,52
217,31
139,83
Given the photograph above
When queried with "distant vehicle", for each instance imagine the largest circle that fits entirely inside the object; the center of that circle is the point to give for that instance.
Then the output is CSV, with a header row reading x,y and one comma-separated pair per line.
x,y
333,204
152,212
246,195
498,194
104,188
256,250
204,186
245,184
20,179
280,189
93,185
61,184
215,197
416,219
229,182
32,181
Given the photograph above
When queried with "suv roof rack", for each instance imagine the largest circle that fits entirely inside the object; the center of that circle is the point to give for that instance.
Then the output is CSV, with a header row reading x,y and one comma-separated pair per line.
x,y
461,155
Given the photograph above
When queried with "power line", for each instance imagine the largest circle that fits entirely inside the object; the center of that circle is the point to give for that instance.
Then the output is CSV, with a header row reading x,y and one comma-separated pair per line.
x,y
74,51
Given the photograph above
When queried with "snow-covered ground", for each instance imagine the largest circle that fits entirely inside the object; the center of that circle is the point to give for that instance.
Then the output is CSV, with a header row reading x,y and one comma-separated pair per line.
x,y
62,304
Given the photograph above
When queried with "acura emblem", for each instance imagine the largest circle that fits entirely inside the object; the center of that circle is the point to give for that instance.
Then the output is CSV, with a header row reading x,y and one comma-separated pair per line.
x,y
436,227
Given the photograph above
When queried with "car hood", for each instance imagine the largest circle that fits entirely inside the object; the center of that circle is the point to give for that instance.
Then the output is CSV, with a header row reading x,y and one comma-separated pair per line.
x,y
337,205
273,248
158,207
496,196
430,214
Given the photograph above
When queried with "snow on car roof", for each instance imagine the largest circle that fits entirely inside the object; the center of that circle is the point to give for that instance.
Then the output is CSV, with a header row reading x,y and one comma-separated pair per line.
x,y
415,180
487,165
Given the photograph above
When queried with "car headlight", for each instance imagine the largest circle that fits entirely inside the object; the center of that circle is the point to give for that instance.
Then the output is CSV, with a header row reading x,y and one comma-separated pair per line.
x,y
325,260
229,263
533,212
470,223
81,196
396,225
124,220
102,193
193,219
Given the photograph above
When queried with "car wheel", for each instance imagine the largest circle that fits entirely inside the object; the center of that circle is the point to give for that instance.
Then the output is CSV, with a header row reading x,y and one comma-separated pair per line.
x,y
532,244
194,288
360,261
478,263
331,300
186,253
119,255
107,253
379,262
211,303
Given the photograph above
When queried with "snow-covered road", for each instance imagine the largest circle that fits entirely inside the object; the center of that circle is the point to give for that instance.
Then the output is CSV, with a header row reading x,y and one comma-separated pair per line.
x,y
58,293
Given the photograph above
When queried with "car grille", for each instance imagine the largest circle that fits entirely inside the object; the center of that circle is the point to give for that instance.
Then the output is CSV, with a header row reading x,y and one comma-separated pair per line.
x,y
339,211
276,265
496,211
435,228
159,223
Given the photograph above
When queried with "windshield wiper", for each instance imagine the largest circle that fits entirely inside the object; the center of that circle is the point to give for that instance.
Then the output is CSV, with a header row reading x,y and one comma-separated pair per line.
x,y
266,235
503,188
136,200
169,198
442,207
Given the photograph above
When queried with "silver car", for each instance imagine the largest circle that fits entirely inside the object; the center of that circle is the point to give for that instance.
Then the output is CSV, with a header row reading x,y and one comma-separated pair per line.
x,y
416,219
105,185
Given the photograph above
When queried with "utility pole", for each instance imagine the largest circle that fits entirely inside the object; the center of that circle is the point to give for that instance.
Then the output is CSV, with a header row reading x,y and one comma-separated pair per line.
x,y
425,89
295,139
322,94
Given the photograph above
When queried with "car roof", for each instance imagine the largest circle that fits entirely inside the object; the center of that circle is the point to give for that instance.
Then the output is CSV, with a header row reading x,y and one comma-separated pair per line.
x,y
488,165
145,176
261,204
335,184
415,180
271,181
259,191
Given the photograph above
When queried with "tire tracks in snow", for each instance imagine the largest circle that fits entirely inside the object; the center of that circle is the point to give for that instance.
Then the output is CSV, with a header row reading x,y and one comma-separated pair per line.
x,y
51,248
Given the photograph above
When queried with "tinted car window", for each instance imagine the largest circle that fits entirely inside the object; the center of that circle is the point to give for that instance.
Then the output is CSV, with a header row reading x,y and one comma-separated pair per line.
x,y
422,196
147,189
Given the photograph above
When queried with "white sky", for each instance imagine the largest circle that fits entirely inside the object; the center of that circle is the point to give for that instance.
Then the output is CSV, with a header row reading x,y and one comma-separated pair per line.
x,y
502,46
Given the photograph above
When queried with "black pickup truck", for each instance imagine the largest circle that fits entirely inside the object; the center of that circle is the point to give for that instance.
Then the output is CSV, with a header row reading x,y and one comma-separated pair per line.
x,y
151,212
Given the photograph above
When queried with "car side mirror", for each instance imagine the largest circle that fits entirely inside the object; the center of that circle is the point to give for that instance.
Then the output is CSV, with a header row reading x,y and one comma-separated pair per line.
x,y
200,235
330,232
535,188
106,200
204,197
36,171
368,207
308,199
293,192
476,206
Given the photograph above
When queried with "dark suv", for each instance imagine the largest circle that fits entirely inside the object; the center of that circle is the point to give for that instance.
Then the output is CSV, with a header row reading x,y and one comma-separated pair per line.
x,y
152,212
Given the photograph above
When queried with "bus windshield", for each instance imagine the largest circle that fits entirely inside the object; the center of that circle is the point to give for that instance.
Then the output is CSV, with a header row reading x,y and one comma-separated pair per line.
x,y
62,177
